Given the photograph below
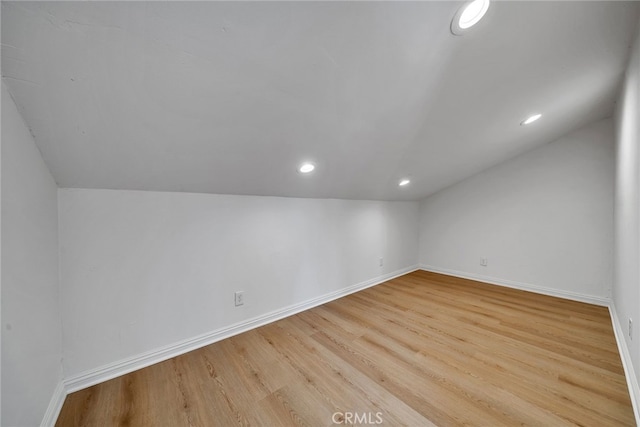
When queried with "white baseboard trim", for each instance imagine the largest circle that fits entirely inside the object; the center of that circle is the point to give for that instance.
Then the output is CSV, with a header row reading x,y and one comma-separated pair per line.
x,y
574,296
122,367
55,405
625,355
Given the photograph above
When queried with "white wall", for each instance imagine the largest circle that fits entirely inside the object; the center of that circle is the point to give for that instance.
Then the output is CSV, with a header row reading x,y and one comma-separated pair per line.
x,y
142,270
544,220
626,284
31,328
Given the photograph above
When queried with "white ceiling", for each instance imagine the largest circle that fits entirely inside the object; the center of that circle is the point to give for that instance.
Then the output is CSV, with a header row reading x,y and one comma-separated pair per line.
x,y
230,97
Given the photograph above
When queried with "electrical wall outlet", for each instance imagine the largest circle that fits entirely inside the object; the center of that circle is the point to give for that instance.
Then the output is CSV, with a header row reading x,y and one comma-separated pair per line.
x,y
239,296
630,328
381,261
484,262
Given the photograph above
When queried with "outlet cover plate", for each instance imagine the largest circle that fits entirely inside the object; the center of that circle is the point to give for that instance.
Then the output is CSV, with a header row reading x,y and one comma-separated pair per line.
x,y
239,298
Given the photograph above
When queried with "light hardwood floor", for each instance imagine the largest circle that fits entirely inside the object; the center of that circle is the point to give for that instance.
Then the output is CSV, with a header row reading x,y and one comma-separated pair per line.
x,y
423,349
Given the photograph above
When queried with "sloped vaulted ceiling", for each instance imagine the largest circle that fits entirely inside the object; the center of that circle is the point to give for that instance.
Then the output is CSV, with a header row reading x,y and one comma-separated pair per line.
x,y
229,97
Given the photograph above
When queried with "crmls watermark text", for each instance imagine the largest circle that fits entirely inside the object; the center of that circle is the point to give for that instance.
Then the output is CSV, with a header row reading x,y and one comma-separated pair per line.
x,y
371,418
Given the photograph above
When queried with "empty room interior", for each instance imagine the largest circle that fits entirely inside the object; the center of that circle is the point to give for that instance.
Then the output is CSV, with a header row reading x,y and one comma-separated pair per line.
x,y
320,213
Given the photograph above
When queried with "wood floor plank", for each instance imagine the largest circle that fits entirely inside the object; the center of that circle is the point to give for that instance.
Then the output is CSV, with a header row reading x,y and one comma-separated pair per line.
x,y
423,349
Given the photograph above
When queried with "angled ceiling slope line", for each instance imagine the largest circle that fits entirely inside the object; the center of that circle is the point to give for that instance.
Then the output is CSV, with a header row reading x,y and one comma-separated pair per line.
x,y
231,97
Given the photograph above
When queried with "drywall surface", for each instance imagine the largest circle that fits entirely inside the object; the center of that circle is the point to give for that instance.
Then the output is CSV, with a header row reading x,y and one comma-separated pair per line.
x,y
31,328
626,284
227,97
543,220
142,270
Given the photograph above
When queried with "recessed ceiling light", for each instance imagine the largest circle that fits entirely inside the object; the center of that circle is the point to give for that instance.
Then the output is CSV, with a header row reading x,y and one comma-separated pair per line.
x,y
306,167
404,182
468,15
531,119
